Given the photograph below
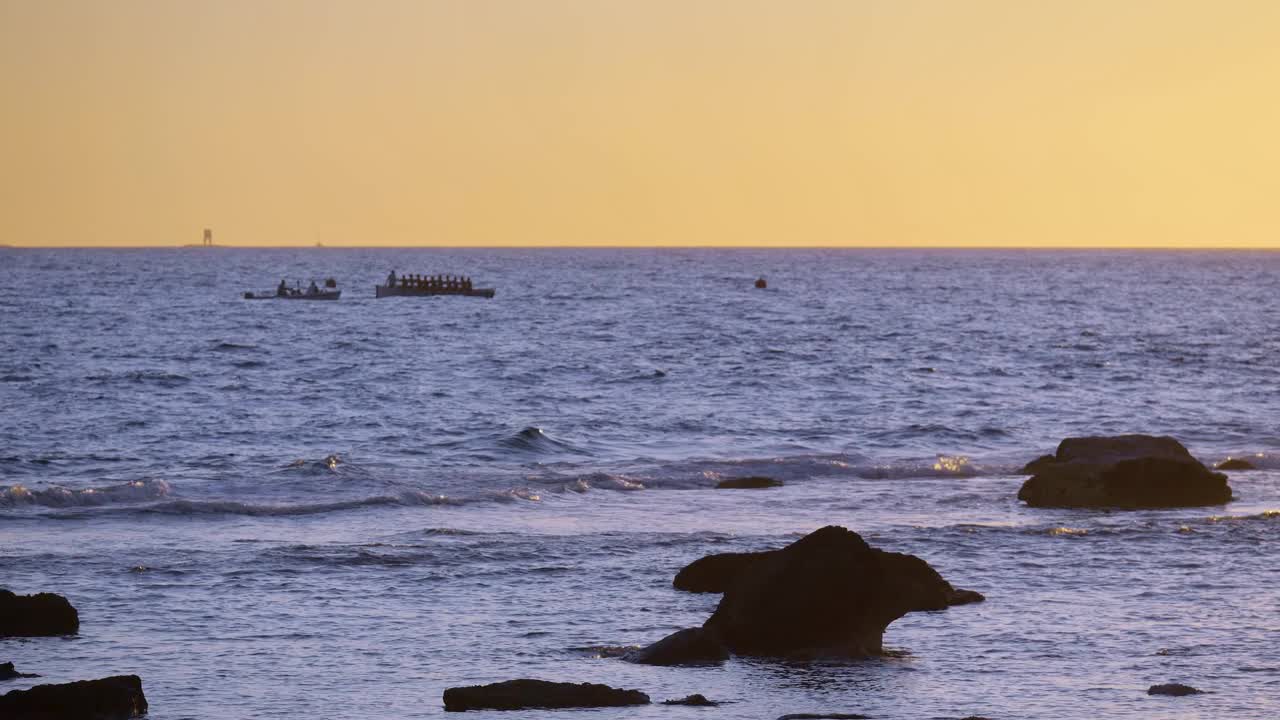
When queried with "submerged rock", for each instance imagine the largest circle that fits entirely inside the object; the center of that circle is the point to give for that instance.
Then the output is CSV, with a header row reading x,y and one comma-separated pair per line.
x,y
1126,472
696,700
829,594
691,646
1235,464
824,716
754,482
525,693
111,698
958,596
8,672
1173,689
36,615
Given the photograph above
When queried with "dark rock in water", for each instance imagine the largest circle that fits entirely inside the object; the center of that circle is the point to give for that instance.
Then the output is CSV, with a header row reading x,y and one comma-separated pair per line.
x,y
36,615
713,573
964,597
695,700
920,585
754,482
1236,464
829,594
824,716
1115,448
1174,689
692,646
8,672
1038,464
522,694
1126,472
109,698
761,283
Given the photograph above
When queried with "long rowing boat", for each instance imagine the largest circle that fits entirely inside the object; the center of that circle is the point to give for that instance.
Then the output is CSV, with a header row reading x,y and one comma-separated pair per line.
x,y
413,291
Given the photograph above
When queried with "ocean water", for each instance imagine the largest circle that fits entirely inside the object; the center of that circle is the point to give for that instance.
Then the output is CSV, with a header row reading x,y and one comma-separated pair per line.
x,y
287,509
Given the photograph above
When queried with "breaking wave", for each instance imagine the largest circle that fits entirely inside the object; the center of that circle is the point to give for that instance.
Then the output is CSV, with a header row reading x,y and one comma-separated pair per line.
x,y
231,507
61,497
603,481
533,440
706,473
214,507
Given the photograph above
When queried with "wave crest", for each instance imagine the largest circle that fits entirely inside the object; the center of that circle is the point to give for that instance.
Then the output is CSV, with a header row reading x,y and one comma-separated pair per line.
x,y
136,491
533,439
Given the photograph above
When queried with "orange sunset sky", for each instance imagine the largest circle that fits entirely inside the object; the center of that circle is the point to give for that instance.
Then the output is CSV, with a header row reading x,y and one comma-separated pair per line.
x,y
647,122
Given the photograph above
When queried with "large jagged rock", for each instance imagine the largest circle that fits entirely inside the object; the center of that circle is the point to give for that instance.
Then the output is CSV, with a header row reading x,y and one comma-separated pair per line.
x,y
111,698
713,573
691,646
829,594
524,694
36,615
1124,471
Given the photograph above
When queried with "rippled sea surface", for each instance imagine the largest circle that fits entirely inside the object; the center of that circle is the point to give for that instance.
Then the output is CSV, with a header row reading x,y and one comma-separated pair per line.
x,y
278,509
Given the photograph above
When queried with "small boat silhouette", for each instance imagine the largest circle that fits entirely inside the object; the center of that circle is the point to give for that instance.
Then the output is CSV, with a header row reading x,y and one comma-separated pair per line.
x,y
329,291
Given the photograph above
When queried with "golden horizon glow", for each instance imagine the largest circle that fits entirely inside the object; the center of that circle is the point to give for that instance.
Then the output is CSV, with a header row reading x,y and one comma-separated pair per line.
x,y
743,123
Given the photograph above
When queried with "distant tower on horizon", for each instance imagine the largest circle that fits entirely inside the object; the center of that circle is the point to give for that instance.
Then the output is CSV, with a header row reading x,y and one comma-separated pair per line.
x,y
208,238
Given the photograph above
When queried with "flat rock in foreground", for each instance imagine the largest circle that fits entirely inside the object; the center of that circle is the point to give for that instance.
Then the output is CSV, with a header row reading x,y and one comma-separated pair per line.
x,y
829,594
523,694
111,698
1124,472
38,615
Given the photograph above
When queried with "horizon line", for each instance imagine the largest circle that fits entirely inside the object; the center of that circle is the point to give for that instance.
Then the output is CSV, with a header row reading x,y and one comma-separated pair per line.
x,y
188,246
